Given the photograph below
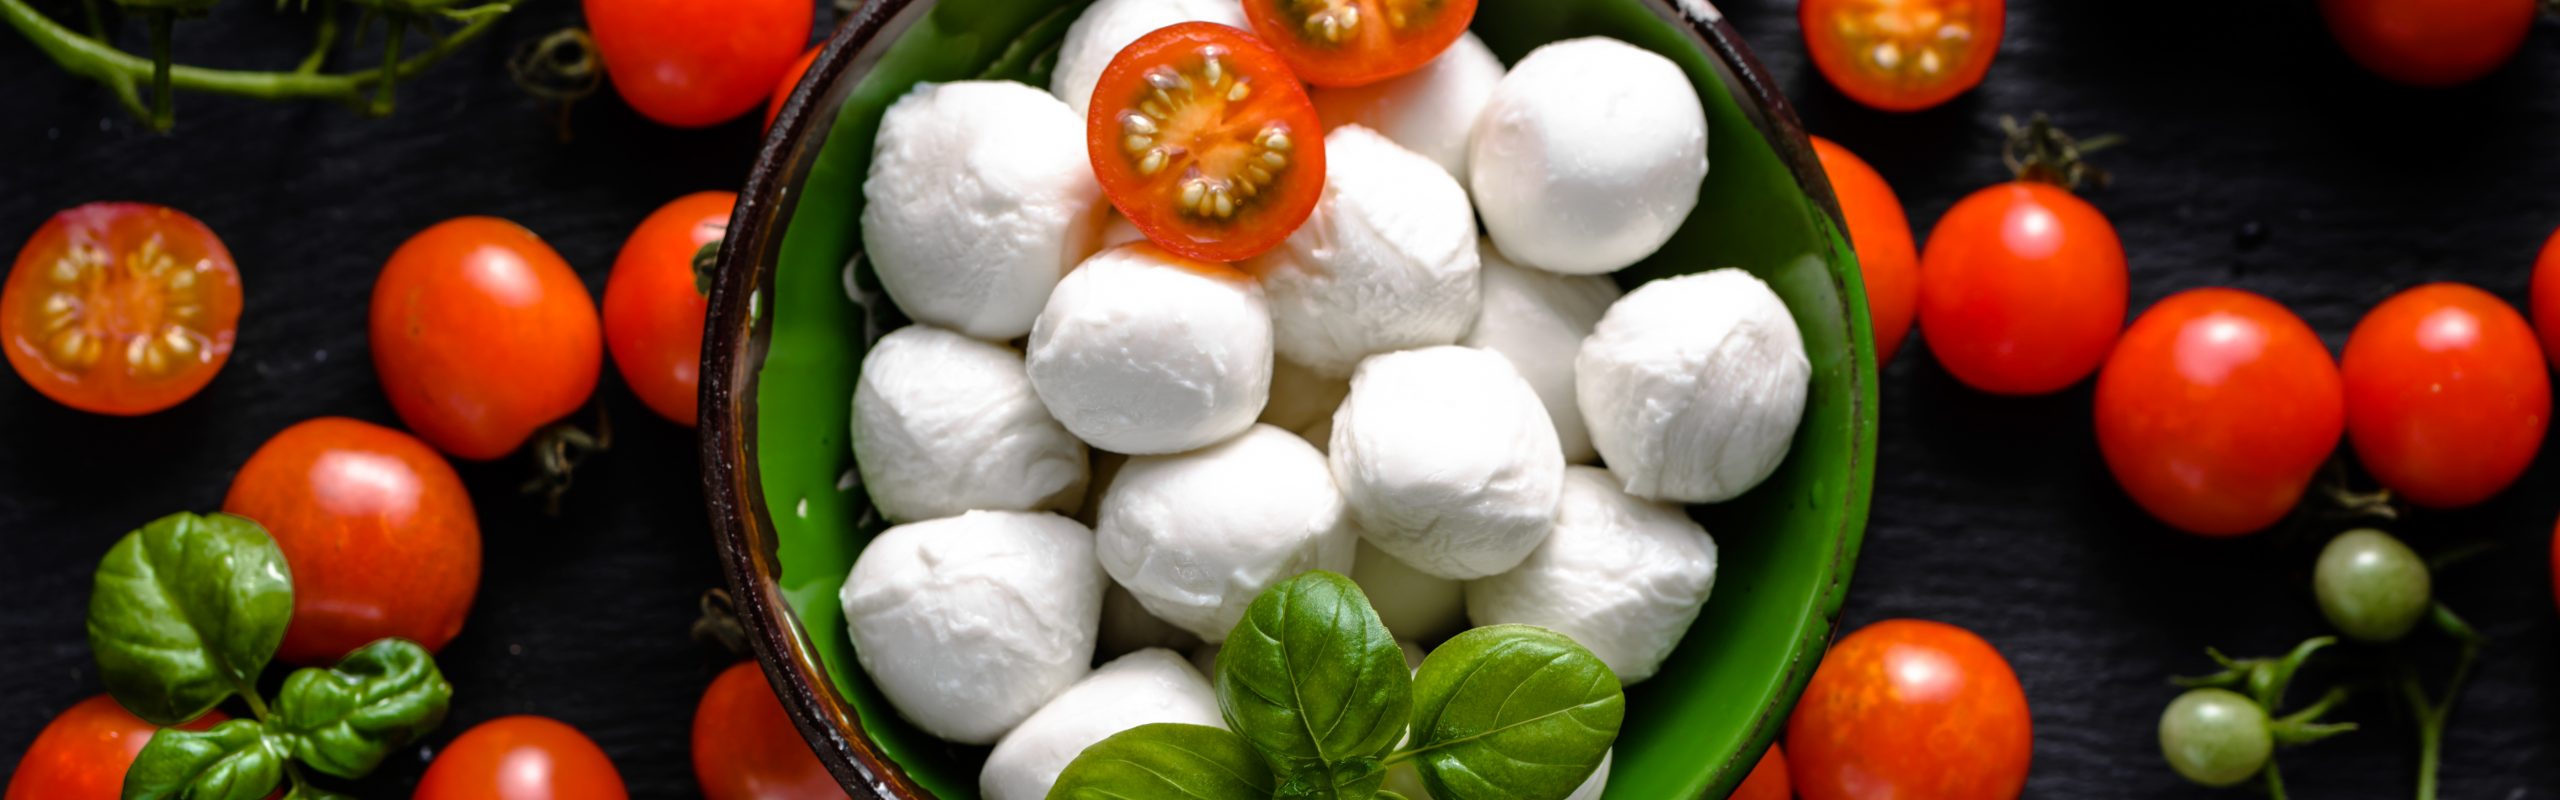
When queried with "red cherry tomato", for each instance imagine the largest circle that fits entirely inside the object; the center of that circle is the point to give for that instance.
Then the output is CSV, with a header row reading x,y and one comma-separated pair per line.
x,y
1886,258
1768,779
2429,42
2447,394
1355,42
482,335
744,747
120,308
2022,289
83,753
790,80
1223,166
1902,55
1908,708
521,758
653,310
2546,296
2216,409
376,528
689,63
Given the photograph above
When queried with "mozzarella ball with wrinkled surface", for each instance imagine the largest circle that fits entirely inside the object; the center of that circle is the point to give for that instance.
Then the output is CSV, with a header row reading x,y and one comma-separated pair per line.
x,y
943,423
1538,320
1447,460
1107,26
1128,628
1622,575
1197,536
1387,262
1415,605
1143,352
980,195
969,624
1588,156
1431,111
1692,386
1142,688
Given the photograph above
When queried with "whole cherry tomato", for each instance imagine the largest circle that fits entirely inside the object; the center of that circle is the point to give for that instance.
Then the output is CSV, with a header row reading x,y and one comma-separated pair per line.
x,y
689,63
2429,42
83,753
1910,709
2546,296
521,758
790,80
1882,236
482,336
1902,55
1768,779
377,529
120,308
653,309
2447,394
744,747
1356,42
2216,410
2022,289
1219,173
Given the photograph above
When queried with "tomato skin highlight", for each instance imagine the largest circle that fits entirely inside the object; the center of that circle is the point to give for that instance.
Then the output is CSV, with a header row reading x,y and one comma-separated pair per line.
x,y
2022,289
1375,53
2217,409
744,747
2429,43
653,312
1844,37
790,81
132,265
691,64
1909,708
84,752
521,758
2448,397
1153,202
1768,779
1887,260
2546,296
482,336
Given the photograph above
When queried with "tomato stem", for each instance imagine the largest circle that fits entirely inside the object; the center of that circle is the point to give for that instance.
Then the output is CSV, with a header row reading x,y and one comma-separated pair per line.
x,y
2038,151
2433,714
561,67
164,111
706,264
558,450
719,624
322,41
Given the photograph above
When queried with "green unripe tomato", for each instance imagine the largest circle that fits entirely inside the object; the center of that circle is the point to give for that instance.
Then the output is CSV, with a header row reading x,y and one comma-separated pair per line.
x,y
2372,587
2215,737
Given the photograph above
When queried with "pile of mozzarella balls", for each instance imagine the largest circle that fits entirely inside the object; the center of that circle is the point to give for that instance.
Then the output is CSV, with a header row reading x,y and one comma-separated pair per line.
x,y
1096,451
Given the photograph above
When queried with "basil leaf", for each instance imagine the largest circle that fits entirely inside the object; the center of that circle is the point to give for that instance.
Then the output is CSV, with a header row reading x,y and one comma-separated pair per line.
x,y
185,611
346,719
1166,760
1384,794
1513,711
310,792
1356,779
236,760
1311,677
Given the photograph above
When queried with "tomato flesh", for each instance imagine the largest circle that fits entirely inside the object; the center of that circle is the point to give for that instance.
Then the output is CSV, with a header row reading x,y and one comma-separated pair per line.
x,y
2429,42
1353,42
1911,708
121,308
482,335
84,752
1887,260
1903,55
653,310
1202,138
2447,394
744,747
2022,289
521,758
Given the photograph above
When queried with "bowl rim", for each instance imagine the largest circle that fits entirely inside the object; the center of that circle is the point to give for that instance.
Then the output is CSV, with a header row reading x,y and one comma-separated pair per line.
x,y
736,334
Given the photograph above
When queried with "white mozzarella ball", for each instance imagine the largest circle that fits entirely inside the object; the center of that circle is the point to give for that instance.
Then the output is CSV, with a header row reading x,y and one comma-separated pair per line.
x,y
1128,628
1588,156
1142,352
1538,320
980,196
969,624
1447,460
1108,26
1431,111
1622,575
1403,779
1414,604
1197,536
943,423
1142,688
1692,386
1387,262
1301,399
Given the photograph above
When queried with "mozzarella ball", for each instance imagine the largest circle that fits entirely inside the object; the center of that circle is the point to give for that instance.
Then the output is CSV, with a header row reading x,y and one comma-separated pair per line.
x,y
1128,628
970,623
1588,156
1537,320
1403,779
980,196
1622,575
1447,460
1692,386
1415,605
1431,111
1107,26
1197,536
1301,399
1142,352
1387,262
943,423
1141,688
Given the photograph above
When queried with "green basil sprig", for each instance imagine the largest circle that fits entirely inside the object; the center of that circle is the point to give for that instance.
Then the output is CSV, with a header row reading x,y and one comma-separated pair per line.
x,y
1316,697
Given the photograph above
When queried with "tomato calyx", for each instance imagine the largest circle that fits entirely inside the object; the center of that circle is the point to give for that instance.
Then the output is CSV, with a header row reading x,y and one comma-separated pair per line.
x,y
719,625
706,265
2038,151
562,67
558,449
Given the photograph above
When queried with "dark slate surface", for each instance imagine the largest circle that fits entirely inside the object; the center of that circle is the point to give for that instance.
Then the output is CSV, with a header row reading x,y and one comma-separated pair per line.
x,y
1994,514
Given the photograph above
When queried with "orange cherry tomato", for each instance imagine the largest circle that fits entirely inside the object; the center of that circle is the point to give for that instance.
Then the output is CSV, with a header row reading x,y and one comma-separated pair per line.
x,y
689,63
1224,164
521,758
482,336
1902,55
2546,296
1882,236
653,310
84,752
120,308
1910,709
1768,779
1355,42
744,747
790,80
2429,42
2447,394
2022,289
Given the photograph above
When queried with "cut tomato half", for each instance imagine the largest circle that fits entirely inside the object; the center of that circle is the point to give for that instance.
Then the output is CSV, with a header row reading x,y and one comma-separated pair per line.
x,y
1903,55
121,308
1203,139
1353,42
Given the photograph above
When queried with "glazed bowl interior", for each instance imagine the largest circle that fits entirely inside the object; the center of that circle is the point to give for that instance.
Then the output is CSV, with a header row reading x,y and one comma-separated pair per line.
x,y
791,323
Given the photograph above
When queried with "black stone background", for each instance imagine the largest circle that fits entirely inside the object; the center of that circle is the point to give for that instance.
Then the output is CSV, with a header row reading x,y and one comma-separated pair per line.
x,y
1995,514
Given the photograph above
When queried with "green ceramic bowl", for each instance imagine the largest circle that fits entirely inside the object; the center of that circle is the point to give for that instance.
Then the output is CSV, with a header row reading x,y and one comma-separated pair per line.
x,y
785,342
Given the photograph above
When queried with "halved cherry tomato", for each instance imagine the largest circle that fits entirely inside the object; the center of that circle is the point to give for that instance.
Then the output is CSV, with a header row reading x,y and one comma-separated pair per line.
x,y
2216,410
2546,296
653,310
790,80
1882,236
744,747
2429,42
2022,289
1911,708
2447,394
1902,55
120,308
1354,42
482,336
84,752
1203,139
521,758
1768,779
690,63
